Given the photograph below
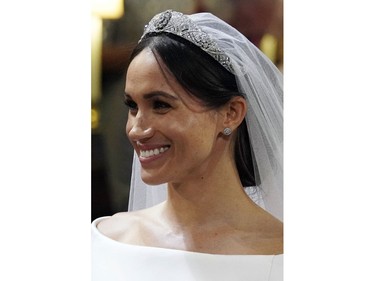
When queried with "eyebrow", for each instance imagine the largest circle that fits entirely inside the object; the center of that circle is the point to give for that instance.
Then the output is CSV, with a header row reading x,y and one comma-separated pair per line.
x,y
155,94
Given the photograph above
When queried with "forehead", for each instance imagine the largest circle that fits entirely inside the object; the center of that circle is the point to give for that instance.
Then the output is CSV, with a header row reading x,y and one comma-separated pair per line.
x,y
145,75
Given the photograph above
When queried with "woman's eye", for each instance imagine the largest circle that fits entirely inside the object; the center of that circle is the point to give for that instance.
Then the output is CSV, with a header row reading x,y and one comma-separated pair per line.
x,y
131,105
160,105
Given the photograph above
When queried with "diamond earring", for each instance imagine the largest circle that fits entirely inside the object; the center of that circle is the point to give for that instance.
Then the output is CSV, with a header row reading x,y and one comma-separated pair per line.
x,y
227,131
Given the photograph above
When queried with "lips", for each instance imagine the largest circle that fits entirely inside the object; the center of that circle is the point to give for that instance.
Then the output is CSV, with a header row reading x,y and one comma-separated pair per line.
x,y
149,153
153,152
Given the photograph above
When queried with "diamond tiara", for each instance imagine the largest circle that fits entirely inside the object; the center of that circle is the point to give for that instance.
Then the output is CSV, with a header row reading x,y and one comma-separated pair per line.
x,y
180,25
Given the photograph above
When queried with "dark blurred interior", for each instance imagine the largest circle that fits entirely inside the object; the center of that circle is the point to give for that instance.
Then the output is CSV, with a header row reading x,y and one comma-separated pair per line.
x,y
260,20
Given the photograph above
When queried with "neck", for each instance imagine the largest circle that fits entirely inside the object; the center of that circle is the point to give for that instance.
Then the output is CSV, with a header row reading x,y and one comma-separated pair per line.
x,y
207,197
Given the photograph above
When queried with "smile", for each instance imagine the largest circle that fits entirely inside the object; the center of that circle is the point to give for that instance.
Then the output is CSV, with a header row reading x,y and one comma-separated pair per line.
x,y
153,152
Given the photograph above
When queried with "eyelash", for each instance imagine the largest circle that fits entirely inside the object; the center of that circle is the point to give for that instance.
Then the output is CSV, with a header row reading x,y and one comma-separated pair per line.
x,y
158,105
131,105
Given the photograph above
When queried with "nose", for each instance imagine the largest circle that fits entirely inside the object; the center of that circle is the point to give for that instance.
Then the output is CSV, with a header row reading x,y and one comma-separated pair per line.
x,y
139,128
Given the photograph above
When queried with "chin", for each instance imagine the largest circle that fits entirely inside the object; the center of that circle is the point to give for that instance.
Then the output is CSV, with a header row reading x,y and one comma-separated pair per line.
x,y
152,180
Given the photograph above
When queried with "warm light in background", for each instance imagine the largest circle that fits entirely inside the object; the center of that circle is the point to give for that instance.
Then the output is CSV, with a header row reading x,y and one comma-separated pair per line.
x,y
95,117
107,9
268,45
100,9
96,55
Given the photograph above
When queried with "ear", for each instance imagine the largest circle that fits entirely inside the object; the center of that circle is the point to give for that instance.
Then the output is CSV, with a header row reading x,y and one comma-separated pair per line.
x,y
234,112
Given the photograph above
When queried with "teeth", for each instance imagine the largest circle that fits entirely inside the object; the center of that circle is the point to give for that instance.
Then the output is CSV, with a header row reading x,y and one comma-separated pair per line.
x,y
152,152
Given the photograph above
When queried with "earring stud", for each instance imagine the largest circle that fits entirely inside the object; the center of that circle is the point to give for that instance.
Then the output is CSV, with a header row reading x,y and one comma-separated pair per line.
x,y
227,131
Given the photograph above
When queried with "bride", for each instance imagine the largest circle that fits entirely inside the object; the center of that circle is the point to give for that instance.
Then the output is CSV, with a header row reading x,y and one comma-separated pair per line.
x,y
205,120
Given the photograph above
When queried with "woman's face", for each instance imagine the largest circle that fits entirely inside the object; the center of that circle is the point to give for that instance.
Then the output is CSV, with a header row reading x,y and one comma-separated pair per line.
x,y
174,136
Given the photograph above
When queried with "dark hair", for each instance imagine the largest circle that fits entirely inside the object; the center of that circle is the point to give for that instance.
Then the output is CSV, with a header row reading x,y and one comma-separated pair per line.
x,y
206,79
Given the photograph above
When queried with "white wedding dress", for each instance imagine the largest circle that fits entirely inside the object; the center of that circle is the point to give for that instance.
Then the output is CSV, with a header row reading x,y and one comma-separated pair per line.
x,y
115,261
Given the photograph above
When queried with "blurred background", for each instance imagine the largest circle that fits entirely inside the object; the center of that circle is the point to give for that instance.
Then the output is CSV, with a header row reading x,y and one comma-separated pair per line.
x,y
116,27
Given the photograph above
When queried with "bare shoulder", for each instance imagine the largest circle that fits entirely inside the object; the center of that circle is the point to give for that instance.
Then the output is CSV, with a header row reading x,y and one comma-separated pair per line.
x,y
126,226
114,226
270,234
273,226
276,236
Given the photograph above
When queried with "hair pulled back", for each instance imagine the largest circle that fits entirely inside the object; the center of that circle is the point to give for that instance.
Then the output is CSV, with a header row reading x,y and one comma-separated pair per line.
x,y
206,79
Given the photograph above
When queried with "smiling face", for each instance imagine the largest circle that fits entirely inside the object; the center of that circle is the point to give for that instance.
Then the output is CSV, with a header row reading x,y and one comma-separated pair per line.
x,y
174,136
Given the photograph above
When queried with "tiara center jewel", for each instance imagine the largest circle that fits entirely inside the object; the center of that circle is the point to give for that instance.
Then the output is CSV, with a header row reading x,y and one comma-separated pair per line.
x,y
163,20
182,26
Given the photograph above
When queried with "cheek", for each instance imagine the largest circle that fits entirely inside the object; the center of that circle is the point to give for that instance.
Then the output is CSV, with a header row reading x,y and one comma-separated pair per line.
x,y
197,134
128,126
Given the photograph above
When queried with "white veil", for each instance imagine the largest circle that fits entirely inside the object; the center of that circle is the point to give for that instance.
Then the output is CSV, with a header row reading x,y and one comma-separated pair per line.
x,y
262,84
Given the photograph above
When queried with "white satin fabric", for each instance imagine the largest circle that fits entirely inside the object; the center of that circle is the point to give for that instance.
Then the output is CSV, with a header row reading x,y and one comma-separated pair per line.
x,y
115,261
